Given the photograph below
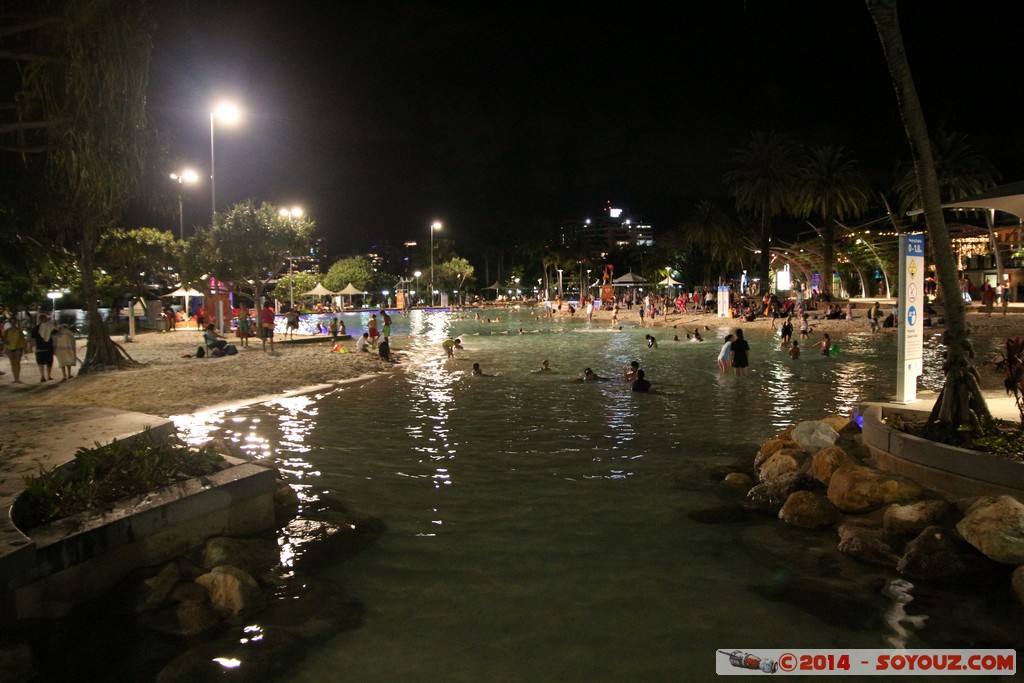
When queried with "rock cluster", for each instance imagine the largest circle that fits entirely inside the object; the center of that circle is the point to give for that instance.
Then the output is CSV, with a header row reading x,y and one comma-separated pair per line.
x,y
818,475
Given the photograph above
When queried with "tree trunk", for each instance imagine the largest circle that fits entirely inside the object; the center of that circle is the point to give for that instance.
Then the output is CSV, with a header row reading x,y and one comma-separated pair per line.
x,y
766,257
960,402
101,353
827,258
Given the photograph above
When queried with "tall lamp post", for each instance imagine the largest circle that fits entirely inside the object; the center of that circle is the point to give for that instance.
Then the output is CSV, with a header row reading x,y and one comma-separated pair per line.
x,y
417,276
53,297
291,214
228,113
436,225
187,176
559,284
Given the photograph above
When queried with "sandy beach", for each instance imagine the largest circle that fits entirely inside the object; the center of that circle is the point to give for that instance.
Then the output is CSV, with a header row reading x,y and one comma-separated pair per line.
x,y
166,383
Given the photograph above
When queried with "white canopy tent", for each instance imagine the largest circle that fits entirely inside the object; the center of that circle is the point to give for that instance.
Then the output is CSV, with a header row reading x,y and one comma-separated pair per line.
x,y
349,291
185,294
628,280
669,282
320,290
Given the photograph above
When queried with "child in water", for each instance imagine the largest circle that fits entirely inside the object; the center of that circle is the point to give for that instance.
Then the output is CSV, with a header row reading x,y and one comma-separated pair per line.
x,y
794,350
825,344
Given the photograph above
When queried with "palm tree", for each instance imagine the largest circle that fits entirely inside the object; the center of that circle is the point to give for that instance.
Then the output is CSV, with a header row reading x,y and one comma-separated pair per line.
x,y
962,170
832,189
960,403
763,182
715,235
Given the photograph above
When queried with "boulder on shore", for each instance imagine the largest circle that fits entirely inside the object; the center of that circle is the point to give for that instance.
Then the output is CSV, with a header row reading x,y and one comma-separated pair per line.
x,y
995,526
861,489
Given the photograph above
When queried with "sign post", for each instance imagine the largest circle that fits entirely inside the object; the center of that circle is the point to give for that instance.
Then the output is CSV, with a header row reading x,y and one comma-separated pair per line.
x,y
910,317
724,310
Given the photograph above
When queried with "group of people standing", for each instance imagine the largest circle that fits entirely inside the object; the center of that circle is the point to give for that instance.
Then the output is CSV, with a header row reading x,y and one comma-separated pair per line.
x,y
46,340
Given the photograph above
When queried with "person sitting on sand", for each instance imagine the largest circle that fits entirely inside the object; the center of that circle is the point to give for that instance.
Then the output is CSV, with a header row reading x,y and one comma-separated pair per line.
x,y
384,349
214,339
363,343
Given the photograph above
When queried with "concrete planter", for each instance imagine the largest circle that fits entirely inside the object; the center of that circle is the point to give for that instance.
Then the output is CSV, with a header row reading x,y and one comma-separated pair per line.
x,y
82,557
957,472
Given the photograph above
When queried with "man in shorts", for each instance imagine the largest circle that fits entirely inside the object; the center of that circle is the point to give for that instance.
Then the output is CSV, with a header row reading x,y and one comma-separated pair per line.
x,y
292,326
267,325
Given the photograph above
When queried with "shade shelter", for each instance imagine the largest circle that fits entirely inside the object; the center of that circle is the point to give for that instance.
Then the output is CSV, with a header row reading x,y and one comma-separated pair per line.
x,y
349,291
319,290
629,280
1006,198
670,282
185,294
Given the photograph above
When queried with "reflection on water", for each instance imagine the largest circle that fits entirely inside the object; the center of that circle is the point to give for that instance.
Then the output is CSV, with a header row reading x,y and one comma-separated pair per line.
x,y
537,527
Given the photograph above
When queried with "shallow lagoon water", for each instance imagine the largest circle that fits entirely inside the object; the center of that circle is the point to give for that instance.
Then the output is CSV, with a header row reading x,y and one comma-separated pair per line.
x,y
537,528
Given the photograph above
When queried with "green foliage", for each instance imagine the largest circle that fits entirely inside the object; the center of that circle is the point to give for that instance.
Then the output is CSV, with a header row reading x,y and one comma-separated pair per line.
x,y
247,247
453,275
294,284
356,270
132,259
102,475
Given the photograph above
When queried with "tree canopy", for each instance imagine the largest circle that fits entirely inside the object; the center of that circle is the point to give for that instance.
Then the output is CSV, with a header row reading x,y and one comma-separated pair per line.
x,y
247,247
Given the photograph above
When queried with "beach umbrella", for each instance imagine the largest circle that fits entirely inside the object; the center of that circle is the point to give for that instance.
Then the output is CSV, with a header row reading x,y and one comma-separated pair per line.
x,y
185,294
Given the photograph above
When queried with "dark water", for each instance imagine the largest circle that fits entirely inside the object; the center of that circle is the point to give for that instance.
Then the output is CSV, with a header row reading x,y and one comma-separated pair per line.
x,y
538,529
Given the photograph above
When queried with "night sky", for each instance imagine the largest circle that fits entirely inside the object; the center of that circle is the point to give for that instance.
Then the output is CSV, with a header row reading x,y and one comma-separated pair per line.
x,y
381,117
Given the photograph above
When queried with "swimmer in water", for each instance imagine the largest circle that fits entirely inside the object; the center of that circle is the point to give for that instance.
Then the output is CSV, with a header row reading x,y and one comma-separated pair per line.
x,y
590,376
544,367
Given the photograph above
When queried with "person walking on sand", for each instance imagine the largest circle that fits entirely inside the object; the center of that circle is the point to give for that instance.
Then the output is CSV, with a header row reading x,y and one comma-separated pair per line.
x,y
64,349
42,342
371,327
267,322
14,347
740,350
805,329
292,324
243,326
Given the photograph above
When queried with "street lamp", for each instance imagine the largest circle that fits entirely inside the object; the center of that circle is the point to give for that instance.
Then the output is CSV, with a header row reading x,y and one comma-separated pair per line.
x,y
291,214
559,284
53,297
228,113
187,176
436,225
417,276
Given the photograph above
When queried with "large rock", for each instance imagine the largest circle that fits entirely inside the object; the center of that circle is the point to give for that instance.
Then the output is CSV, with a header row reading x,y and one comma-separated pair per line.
x,y
814,435
1017,581
861,489
939,554
809,510
188,618
995,526
156,590
232,590
784,461
773,494
907,520
836,422
738,480
768,448
868,544
16,663
828,460
256,556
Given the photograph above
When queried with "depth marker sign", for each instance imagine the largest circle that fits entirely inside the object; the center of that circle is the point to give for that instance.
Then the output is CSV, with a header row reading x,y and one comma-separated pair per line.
x,y
910,317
